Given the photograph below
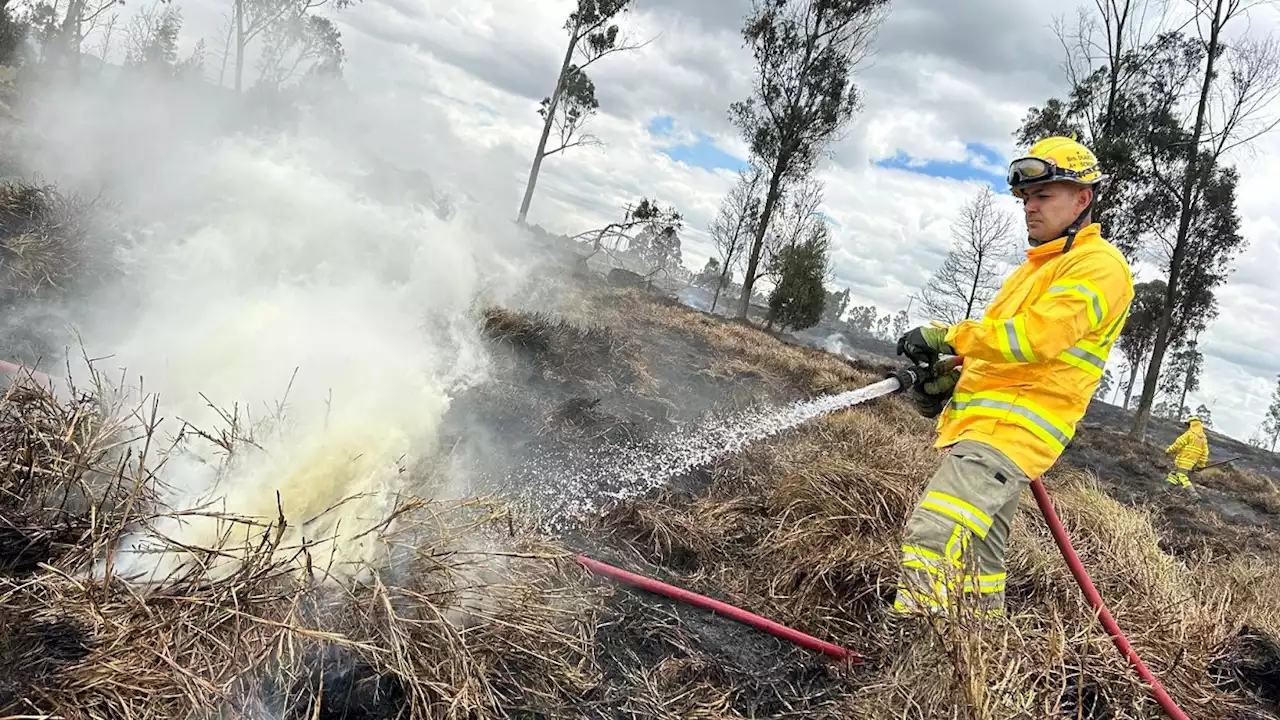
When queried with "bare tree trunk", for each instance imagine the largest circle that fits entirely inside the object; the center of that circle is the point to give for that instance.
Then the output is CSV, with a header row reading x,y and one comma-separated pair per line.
x,y
724,278
1139,430
240,43
226,50
1186,378
1115,48
973,290
1182,400
546,129
1133,377
68,45
757,243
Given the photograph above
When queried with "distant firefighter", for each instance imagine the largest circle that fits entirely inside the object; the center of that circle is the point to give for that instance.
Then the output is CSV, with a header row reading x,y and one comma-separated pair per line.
x,y
1192,448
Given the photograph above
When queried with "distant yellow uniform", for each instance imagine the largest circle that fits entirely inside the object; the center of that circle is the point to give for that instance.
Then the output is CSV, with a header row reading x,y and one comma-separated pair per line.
x,y
1192,448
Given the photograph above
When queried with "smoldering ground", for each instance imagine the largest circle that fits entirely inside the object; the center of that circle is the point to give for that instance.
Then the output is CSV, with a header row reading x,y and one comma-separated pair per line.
x,y
303,332
256,283
281,331
279,325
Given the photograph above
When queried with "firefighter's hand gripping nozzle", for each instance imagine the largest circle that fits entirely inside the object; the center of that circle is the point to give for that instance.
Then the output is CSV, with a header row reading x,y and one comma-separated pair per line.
x,y
912,376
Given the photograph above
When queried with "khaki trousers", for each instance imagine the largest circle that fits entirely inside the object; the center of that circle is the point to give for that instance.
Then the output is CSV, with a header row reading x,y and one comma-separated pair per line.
x,y
955,540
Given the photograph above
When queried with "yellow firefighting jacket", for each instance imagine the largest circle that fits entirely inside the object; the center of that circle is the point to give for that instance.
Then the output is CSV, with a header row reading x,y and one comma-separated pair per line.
x,y
1032,363
1192,448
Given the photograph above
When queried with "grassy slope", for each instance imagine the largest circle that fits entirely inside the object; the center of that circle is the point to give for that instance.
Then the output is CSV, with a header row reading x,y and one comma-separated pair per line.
x,y
803,528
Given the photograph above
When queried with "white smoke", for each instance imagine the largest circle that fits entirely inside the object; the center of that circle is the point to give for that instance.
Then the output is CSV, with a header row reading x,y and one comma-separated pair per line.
x,y
260,263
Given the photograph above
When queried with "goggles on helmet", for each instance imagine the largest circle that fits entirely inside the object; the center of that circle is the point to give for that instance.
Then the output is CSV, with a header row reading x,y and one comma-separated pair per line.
x,y
1028,170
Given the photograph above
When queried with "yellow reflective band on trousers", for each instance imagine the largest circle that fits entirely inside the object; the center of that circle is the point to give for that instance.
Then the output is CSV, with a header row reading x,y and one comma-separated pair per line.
x,y
1024,413
959,511
946,578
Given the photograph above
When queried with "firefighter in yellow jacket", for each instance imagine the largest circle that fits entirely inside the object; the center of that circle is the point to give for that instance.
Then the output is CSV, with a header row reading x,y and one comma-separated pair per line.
x,y
1030,367
1192,448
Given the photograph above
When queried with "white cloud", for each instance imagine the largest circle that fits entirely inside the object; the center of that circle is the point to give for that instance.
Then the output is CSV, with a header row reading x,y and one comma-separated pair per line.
x,y
946,75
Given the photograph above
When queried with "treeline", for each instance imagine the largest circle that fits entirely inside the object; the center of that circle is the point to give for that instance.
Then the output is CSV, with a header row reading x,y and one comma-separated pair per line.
x,y
1165,92
263,46
769,227
1164,98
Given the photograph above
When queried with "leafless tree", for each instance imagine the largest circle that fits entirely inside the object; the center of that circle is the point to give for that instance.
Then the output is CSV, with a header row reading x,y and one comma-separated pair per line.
x,y
106,30
1232,109
982,236
151,43
81,17
251,19
797,220
735,225
300,45
646,217
1100,41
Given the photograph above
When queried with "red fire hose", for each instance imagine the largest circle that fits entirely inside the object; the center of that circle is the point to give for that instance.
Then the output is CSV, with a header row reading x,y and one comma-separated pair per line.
x,y
1095,600
835,651
11,369
702,601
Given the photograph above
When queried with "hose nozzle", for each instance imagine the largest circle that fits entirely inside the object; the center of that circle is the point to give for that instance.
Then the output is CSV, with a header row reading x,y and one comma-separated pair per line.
x,y
907,376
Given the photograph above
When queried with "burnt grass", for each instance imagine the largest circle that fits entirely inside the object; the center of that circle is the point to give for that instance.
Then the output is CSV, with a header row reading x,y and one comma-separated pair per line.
x,y
573,383
768,531
566,384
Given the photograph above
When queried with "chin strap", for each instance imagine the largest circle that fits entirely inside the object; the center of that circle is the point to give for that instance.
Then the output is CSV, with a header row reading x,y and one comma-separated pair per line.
x,y
1075,228
1072,229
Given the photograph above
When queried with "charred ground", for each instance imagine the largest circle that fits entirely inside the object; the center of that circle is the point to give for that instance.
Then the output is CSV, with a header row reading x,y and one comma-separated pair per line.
x,y
803,528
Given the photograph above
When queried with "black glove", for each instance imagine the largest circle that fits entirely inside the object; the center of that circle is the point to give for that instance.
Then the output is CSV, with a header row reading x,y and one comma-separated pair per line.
x,y
923,345
932,395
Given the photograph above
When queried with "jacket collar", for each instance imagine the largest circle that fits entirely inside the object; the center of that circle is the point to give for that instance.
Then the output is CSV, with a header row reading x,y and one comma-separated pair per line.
x,y
1087,235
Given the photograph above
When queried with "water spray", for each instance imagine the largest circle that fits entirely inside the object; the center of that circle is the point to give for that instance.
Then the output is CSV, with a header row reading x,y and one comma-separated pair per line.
x,y
899,381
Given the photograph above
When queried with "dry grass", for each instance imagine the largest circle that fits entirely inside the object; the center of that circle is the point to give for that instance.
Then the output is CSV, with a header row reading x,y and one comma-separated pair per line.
x,y
812,371
470,619
739,348
42,239
562,350
806,529
1254,488
473,619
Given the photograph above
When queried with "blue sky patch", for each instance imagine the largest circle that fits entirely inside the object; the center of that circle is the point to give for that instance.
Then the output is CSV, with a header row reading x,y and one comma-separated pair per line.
x,y
978,166
702,152
662,125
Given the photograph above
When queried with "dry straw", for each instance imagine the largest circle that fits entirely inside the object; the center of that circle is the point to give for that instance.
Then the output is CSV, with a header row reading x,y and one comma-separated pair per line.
x,y
470,618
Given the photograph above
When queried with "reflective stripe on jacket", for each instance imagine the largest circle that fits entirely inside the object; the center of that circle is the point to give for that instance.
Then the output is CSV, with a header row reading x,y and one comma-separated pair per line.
x,y
1032,363
1192,448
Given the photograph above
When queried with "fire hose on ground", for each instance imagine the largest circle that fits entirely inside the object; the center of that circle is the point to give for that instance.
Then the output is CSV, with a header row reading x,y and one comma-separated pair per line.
x,y
905,379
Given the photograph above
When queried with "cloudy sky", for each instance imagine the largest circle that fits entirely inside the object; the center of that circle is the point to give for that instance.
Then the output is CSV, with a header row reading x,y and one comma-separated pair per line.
x,y
946,87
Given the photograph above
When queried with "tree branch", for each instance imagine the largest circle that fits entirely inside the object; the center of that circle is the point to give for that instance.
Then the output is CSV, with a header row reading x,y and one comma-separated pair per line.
x,y
588,58
582,140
